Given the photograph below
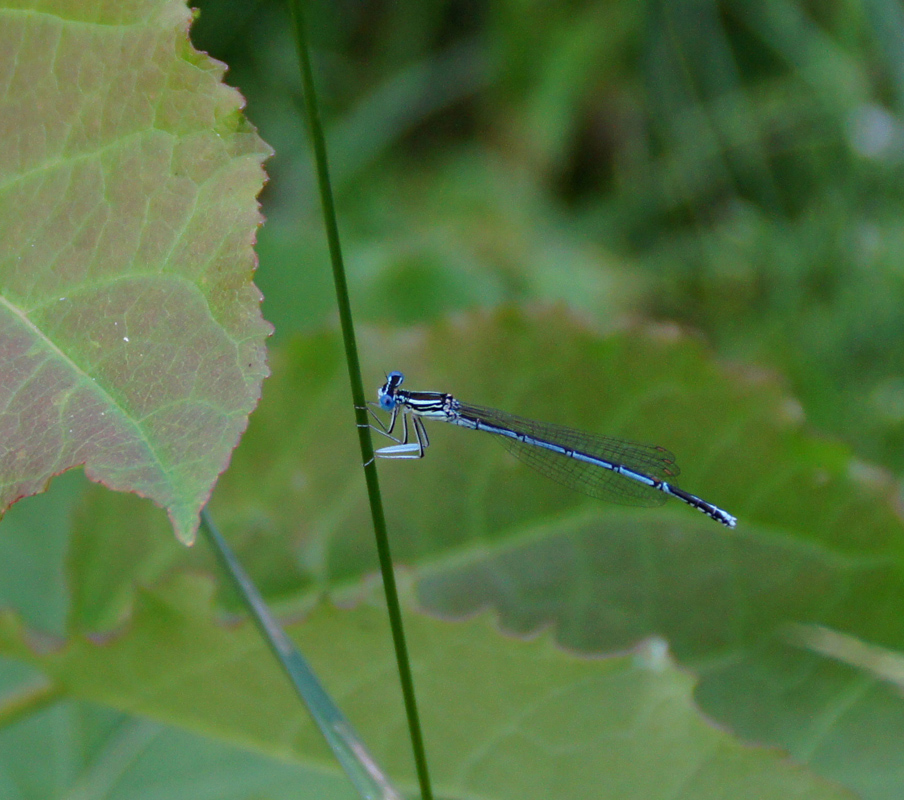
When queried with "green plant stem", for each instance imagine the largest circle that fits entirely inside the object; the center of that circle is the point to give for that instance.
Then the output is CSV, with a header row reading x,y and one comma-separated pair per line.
x,y
354,372
345,743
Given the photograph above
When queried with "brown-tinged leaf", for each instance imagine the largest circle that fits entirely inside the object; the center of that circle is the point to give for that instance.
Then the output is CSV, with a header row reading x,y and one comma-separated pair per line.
x,y
130,336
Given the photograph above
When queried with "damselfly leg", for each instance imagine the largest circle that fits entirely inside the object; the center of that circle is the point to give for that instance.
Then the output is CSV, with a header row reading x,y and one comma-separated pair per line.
x,y
404,447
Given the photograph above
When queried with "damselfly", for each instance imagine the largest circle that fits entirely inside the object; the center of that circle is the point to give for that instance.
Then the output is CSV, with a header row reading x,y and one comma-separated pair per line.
x,y
600,466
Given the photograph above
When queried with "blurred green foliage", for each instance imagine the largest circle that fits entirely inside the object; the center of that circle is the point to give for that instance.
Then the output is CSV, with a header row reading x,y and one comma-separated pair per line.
x,y
733,166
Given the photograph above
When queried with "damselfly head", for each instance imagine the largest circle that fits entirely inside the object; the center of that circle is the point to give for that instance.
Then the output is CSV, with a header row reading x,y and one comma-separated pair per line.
x,y
386,393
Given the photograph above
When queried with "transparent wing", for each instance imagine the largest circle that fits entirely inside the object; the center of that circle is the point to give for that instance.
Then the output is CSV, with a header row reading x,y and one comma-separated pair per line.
x,y
591,479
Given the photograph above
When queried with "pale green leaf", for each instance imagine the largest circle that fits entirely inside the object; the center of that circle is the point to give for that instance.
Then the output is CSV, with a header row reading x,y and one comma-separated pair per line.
x,y
131,336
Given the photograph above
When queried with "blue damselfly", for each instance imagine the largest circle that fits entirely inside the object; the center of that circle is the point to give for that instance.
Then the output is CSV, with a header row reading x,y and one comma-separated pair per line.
x,y
600,466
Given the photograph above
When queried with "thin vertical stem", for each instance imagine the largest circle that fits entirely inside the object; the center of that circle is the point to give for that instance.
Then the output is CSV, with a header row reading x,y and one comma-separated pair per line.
x,y
354,372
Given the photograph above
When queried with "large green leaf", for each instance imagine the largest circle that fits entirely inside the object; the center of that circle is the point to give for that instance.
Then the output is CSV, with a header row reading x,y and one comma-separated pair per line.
x,y
131,337
503,718
817,539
